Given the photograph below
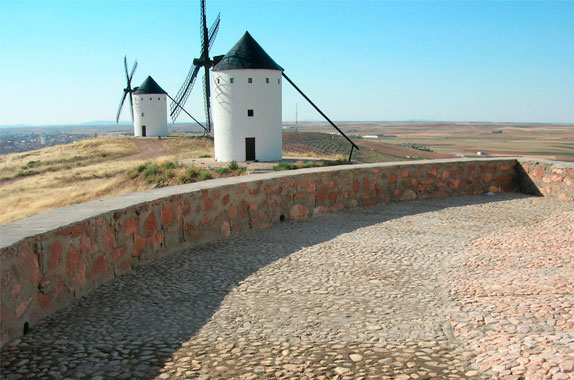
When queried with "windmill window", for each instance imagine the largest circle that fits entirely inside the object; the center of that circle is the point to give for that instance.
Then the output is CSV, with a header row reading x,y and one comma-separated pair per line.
x,y
230,80
158,99
217,80
150,98
249,80
279,81
142,114
250,113
266,80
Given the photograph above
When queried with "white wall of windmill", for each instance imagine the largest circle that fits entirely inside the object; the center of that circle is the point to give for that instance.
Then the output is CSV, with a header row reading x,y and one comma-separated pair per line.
x,y
231,121
150,110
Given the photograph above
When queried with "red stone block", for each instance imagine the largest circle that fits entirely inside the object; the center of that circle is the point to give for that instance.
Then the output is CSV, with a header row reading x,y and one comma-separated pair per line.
x,y
432,172
355,186
85,245
405,173
118,253
332,196
130,226
16,290
366,185
377,170
140,245
487,177
393,178
78,229
150,225
427,181
167,215
557,178
299,212
29,267
445,174
225,229
157,240
505,168
21,308
44,301
190,231
55,254
300,195
321,194
454,183
74,257
414,182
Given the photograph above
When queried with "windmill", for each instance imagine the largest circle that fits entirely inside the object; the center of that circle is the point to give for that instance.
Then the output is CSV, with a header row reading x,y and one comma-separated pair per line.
x,y
207,40
128,89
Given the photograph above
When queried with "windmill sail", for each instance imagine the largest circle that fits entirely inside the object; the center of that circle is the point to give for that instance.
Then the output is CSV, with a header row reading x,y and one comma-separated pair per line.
x,y
207,40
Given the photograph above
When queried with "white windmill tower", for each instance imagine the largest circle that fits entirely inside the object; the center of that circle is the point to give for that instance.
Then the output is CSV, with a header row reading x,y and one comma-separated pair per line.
x,y
150,109
148,105
247,104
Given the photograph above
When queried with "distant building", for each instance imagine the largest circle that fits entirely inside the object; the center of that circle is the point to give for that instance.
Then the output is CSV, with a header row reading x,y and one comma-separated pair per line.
x,y
150,110
481,154
247,104
370,137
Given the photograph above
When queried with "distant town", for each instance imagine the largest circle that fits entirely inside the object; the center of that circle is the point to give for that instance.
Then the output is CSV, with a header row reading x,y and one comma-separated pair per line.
x,y
19,139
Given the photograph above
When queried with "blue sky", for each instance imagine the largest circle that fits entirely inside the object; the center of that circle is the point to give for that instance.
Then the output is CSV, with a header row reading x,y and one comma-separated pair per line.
x,y
61,60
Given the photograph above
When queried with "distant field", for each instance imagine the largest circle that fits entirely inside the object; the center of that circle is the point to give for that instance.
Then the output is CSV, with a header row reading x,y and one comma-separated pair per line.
x,y
548,141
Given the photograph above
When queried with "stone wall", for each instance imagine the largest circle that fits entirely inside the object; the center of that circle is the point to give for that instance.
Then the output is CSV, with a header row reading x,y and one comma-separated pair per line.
x,y
50,260
547,178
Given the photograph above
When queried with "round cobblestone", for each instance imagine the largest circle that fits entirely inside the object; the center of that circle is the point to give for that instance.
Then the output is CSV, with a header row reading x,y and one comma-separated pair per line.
x,y
468,287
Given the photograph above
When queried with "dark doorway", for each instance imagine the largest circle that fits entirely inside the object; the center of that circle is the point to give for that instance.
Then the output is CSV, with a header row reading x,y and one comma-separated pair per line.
x,y
250,149
143,130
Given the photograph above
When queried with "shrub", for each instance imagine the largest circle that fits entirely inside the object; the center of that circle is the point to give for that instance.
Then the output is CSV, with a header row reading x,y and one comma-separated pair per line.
x,y
204,176
222,170
187,176
205,156
233,165
132,174
143,166
151,171
169,165
285,166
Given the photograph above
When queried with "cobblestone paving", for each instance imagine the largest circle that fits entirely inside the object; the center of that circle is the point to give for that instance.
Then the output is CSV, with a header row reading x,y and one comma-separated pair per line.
x,y
374,293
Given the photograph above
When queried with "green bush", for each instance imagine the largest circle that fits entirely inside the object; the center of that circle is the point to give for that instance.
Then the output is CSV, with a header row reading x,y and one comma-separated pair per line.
x,y
285,166
233,165
205,156
204,176
169,165
222,170
187,176
143,166
133,174
151,171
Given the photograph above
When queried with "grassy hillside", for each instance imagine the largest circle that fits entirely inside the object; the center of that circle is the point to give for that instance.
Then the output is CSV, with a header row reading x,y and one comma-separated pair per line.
x,y
41,180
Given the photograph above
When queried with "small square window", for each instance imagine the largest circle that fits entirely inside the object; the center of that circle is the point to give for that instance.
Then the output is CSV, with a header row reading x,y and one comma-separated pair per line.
x,y
266,80
279,81
150,98
217,80
249,80
158,99
250,113
230,80
142,114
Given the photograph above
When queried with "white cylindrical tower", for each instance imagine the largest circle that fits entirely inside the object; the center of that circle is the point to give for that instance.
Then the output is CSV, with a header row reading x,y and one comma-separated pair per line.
x,y
247,104
150,110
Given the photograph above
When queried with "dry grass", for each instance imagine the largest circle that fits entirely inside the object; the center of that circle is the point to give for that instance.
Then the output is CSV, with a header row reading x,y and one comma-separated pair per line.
x,y
189,147
45,179
64,157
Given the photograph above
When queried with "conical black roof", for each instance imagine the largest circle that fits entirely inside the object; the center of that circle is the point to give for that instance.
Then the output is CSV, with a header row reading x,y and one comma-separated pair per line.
x,y
149,86
247,54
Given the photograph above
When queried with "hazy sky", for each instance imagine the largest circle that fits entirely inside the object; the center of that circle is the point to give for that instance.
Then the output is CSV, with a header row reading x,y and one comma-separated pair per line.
x,y
61,60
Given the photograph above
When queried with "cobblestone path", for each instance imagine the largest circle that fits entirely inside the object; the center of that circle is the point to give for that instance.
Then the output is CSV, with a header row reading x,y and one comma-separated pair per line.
x,y
374,293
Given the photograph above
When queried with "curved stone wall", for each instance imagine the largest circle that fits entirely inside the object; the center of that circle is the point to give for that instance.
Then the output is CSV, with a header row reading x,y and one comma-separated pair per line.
x,y
48,261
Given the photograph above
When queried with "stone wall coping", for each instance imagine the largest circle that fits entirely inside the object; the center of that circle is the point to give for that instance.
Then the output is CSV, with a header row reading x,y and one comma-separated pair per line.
x,y
562,164
17,231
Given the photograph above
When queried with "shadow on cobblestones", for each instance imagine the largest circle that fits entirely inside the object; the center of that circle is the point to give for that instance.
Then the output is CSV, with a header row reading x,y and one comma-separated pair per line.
x,y
131,326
